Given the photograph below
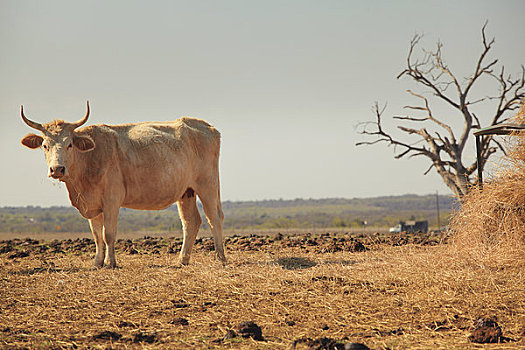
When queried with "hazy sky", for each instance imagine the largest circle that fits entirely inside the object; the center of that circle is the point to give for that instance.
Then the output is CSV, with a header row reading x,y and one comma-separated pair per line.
x,y
285,82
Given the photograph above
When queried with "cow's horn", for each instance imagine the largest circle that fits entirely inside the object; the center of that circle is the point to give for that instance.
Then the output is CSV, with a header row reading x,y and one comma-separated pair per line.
x,y
83,120
31,123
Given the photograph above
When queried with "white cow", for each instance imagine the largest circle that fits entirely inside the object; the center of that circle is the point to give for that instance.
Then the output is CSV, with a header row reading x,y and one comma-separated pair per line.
x,y
147,166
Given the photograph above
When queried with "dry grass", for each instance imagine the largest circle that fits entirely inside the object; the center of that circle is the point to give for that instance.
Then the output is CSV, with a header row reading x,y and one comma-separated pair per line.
x,y
490,227
410,296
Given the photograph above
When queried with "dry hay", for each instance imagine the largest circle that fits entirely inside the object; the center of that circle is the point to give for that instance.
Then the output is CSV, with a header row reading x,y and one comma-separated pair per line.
x,y
490,225
413,295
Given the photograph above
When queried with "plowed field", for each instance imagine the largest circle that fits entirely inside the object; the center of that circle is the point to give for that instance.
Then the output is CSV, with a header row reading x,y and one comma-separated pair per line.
x,y
317,291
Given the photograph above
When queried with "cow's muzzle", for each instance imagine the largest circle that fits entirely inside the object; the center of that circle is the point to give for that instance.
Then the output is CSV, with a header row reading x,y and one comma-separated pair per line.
x,y
57,172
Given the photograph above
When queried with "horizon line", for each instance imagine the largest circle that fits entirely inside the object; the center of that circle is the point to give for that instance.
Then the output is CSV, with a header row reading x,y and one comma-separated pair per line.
x,y
253,200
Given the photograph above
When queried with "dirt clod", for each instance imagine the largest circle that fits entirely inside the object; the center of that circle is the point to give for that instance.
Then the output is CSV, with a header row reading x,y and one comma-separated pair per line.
x,y
131,250
486,330
19,254
249,329
356,346
141,337
179,304
278,236
6,248
326,344
124,324
318,344
179,321
230,333
357,247
107,335
289,322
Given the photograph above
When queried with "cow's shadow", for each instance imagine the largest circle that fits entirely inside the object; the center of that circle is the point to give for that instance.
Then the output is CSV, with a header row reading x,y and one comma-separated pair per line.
x,y
341,262
295,263
39,270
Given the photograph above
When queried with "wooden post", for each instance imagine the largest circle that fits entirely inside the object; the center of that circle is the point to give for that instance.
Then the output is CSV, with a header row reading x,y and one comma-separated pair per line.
x,y
480,171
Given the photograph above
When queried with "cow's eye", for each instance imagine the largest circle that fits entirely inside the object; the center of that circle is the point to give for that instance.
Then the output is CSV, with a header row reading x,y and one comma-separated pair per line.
x,y
45,147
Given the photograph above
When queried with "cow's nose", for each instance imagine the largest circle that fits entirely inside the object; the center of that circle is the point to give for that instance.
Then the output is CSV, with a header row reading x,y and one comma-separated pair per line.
x,y
57,171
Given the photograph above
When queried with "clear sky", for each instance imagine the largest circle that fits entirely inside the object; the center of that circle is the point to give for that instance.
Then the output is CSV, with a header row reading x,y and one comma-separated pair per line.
x,y
285,82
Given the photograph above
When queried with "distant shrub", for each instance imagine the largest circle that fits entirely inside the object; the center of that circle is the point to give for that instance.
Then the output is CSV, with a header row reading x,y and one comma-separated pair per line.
x,y
338,222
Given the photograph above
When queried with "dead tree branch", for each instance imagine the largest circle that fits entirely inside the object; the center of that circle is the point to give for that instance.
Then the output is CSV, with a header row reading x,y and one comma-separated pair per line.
x,y
442,144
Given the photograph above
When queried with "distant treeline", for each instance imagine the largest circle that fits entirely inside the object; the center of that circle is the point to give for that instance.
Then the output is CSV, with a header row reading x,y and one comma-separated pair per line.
x,y
298,213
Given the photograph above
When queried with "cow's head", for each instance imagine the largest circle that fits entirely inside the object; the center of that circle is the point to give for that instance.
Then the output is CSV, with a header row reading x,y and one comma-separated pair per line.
x,y
60,142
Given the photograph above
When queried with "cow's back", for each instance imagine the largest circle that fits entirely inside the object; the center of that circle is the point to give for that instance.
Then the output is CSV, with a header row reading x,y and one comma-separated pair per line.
x,y
158,161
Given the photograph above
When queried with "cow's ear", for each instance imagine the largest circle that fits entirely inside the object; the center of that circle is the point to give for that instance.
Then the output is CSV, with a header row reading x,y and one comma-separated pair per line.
x,y
83,143
32,141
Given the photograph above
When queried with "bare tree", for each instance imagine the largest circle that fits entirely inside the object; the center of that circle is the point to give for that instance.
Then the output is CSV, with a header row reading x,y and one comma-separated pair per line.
x,y
443,145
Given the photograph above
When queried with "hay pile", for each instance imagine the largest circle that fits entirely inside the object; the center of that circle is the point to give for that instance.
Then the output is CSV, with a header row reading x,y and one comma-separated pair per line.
x,y
490,226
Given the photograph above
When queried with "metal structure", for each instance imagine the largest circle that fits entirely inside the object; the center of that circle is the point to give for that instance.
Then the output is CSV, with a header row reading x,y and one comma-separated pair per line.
x,y
411,227
502,129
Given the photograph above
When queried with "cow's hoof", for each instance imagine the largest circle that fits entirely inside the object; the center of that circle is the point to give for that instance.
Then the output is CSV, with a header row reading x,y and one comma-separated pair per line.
x,y
97,265
184,261
221,258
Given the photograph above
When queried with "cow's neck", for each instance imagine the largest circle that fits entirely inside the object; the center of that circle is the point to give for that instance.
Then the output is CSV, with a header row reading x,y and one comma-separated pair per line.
x,y
75,190
78,188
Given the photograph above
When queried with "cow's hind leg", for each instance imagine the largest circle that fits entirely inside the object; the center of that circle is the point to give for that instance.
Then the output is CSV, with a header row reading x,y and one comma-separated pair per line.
x,y
97,224
191,222
211,203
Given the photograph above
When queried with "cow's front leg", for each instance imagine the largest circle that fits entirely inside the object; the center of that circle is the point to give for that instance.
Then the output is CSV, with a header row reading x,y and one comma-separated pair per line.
x,y
110,235
97,224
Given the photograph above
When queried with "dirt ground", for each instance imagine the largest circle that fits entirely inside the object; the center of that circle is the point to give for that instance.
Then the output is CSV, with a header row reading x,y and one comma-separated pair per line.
x,y
302,291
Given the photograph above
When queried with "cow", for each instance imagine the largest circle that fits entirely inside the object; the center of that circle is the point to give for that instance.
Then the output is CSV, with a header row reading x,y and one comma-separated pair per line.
x,y
148,166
